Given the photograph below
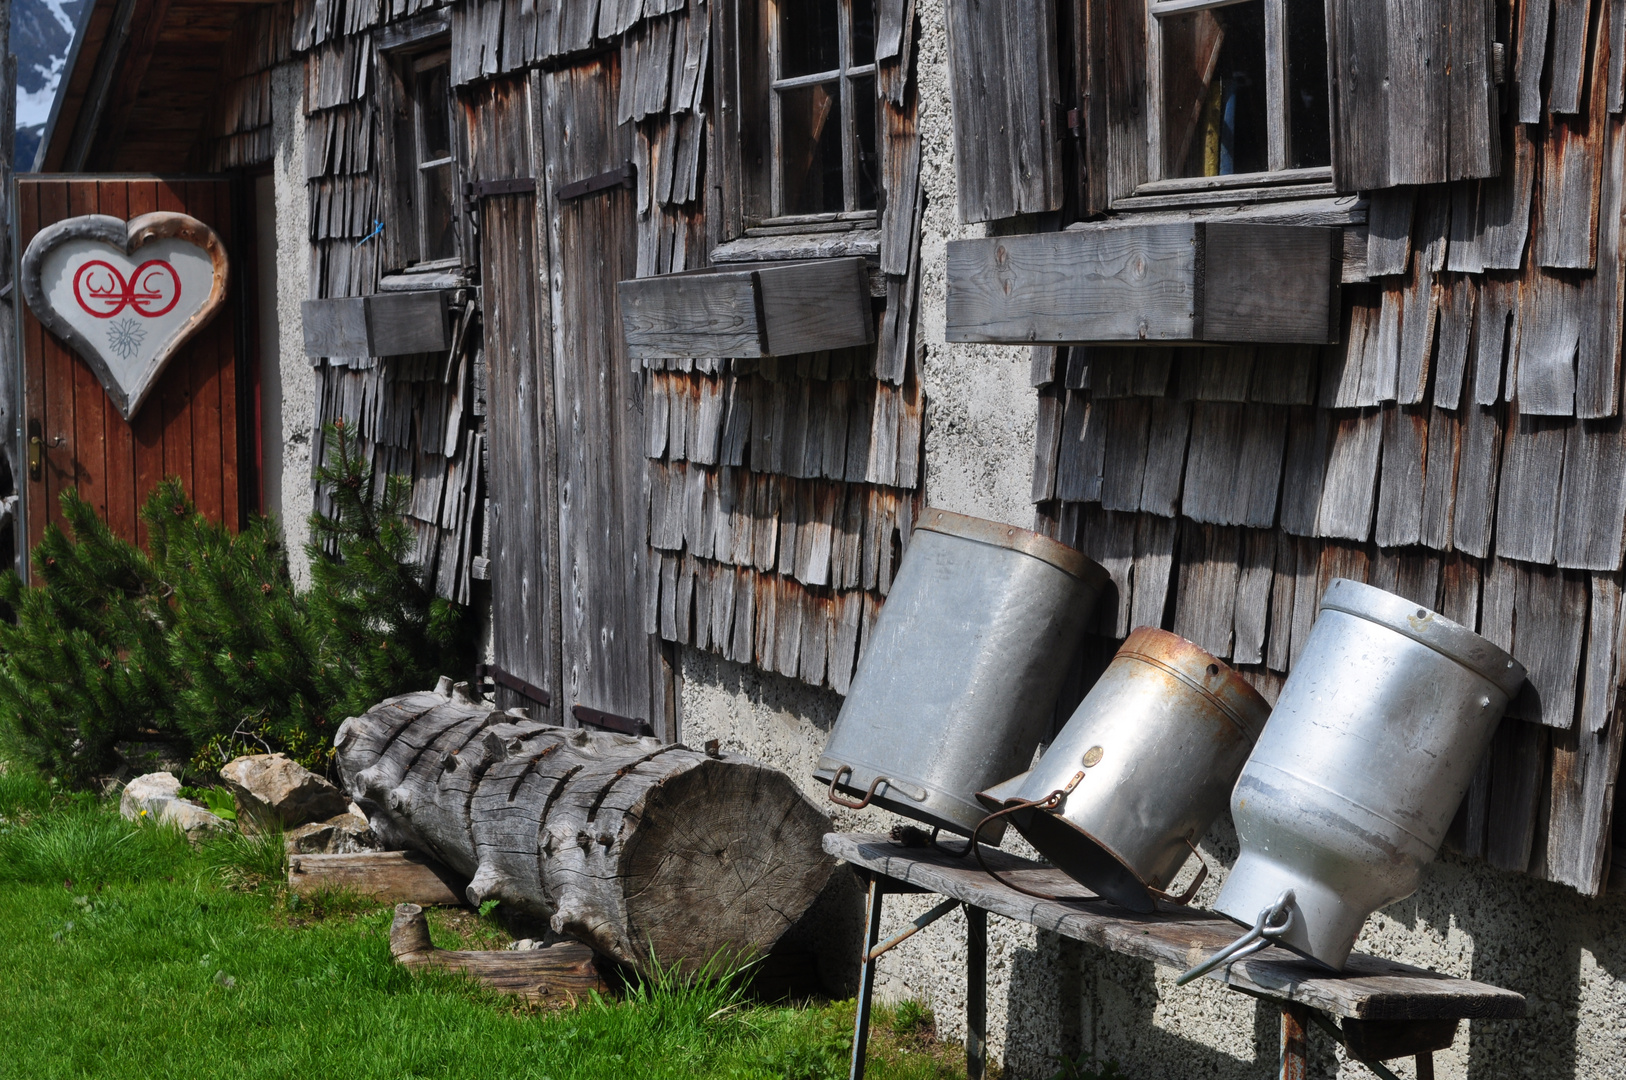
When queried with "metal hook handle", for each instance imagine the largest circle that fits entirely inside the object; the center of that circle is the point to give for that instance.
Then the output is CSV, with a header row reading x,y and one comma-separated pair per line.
x,y
1262,936
846,770
1049,802
1196,883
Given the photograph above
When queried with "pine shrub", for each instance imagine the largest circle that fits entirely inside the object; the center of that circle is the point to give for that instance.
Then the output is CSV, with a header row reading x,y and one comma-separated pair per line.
x,y
203,639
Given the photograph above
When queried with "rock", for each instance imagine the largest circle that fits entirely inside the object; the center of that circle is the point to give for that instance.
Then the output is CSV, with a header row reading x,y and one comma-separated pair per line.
x,y
192,819
273,788
150,793
342,834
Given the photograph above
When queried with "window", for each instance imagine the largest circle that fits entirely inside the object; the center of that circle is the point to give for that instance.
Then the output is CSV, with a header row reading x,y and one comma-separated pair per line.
x,y
823,111
434,183
1241,92
421,181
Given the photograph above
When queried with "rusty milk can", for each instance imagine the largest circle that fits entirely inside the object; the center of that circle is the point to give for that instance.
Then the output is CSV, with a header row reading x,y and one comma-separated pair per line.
x,y
1371,746
1159,739
959,678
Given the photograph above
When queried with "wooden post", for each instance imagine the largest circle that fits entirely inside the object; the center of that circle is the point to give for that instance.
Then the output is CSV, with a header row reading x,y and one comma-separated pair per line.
x,y
866,978
1425,1066
1295,1059
976,992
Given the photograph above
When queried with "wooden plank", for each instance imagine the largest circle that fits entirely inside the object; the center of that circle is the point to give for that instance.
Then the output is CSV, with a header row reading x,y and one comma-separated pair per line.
x,y
1388,224
1518,763
1307,592
386,876
1602,655
1368,988
1124,466
1109,539
1496,338
1271,282
1047,441
1592,504
1252,608
1529,488
1504,202
1534,20
1444,446
1466,252
1308,431
1081,459
1007,157
1283,375
1549,627
1154,559
1164,476
1456,329
1597,373
1204,610
1584,767
1400,490
1567,65
1213,374
1284,575
1353,446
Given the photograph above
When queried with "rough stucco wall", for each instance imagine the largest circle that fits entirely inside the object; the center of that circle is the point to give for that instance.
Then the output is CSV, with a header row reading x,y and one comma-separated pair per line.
x,y
293,287
1049,997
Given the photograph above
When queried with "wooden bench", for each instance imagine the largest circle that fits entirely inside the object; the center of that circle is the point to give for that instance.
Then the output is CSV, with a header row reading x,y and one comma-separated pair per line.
x,y
1379,1009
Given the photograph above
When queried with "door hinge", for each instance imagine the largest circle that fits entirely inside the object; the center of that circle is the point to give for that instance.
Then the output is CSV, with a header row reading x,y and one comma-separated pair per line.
x,y
622,176
626,725
520,185
512,682
36,450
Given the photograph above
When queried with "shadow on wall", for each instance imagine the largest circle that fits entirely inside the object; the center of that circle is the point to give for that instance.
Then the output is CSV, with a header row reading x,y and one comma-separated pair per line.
x,y
1512,931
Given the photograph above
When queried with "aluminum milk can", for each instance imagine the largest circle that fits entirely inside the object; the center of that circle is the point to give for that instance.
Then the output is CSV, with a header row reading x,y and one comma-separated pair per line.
x,y
1160,739
959,679
1371,746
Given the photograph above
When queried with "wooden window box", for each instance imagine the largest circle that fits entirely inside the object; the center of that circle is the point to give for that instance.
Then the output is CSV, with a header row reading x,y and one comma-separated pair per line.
x,y
766,309
1193,282
384,324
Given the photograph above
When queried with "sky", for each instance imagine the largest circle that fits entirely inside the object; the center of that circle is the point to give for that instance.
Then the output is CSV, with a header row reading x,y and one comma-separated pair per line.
x,y
34,104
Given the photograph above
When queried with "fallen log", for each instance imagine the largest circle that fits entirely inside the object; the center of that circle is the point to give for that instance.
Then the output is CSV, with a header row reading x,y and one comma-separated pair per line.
x,y
563,970
646,851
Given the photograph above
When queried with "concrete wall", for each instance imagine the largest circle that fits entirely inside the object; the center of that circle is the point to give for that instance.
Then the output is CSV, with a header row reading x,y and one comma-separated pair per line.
x,y
1048,996
289,416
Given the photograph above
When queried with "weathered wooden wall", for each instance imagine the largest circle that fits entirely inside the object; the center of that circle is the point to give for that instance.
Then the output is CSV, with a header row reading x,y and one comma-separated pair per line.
x,y
1463,446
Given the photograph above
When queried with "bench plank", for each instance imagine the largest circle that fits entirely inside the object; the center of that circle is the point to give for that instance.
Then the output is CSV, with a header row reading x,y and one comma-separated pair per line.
x,y
1369,988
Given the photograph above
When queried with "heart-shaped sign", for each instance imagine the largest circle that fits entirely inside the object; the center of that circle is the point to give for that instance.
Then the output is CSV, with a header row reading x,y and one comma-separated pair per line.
x,y
125,296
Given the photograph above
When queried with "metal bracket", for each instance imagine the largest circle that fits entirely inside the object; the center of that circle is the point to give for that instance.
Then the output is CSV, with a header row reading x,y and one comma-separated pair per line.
x,y
914,928
626,725
512,682
520,185
622,176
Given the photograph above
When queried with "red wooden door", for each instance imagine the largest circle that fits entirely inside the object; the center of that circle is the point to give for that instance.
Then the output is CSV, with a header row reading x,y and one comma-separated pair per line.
x,y
188,427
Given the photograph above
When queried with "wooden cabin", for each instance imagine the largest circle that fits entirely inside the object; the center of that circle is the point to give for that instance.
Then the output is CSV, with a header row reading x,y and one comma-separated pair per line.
x,y
678,312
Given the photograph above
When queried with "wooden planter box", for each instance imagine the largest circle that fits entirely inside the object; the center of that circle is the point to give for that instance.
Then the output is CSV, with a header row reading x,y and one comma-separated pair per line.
x,y
1182,282
750,310
384,324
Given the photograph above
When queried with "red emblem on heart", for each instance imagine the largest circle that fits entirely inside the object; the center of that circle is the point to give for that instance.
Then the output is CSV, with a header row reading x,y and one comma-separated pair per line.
x,y
153,290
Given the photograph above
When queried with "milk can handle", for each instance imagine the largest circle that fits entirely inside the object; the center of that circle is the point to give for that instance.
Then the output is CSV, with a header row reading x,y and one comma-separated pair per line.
x,y
1049,802
1196,883
848,803
1263,934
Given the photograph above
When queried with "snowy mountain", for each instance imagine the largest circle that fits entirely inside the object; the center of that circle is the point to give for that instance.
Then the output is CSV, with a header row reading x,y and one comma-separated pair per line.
x,y
41,33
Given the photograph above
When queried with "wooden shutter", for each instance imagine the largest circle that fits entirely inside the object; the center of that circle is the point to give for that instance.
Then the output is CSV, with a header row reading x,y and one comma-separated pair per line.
x,y
1109,53
1007,153
1413,94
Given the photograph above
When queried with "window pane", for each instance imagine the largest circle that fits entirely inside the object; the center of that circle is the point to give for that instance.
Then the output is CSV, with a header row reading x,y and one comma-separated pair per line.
x,y
809,37
1309,123
1214,91
436,186
810,118
866,120
863,32
434,113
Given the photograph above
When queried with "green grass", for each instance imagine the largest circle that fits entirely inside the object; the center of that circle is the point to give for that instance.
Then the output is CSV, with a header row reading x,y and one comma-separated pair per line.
x,y
128,954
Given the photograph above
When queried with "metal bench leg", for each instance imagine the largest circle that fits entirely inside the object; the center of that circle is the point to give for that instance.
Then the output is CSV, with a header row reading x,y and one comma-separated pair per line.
x,y
1295,1056
976,992
866,978
1425,1066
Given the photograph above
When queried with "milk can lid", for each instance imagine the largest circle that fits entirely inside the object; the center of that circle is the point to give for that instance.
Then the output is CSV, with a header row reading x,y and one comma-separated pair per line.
x,y
1478,654
1000,534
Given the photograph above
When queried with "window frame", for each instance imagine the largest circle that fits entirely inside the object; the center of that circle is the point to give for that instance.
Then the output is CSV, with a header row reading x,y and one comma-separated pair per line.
x,y
844,74
402,206
1278,175
421,62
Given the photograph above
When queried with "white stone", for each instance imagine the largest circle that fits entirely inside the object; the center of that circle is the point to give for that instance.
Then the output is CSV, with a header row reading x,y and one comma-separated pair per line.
x,y
274,788
192,819
149,794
